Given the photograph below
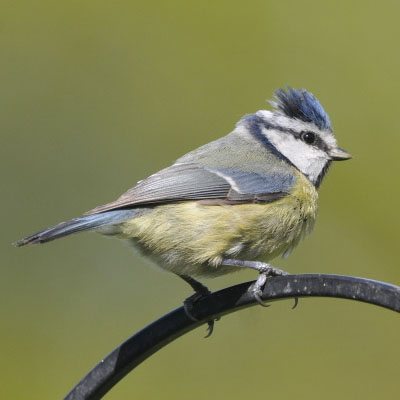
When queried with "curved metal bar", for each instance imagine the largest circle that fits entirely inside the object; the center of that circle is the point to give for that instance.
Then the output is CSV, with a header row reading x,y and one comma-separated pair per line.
x,y
158,334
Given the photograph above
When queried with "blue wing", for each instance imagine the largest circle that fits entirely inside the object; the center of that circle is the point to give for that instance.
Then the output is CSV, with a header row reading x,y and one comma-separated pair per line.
x,y
190,181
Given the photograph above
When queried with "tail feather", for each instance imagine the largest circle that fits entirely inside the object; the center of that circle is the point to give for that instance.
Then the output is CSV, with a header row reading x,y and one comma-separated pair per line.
x,y
77,225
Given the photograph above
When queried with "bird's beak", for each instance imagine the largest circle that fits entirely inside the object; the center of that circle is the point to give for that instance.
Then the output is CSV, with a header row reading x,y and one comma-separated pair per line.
x,y
338,154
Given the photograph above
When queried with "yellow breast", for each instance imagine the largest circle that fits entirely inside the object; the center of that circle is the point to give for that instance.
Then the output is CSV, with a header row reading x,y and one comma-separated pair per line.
x,y
193,238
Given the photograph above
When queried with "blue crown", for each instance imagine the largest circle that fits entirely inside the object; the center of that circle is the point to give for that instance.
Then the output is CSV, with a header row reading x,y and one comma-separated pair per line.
x,y
300,104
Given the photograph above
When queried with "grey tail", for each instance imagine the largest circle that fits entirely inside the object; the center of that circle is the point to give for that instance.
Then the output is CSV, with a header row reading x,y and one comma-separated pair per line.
x,y
78,225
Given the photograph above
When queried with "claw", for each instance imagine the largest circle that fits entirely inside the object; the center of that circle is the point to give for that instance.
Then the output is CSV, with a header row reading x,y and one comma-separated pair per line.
x,y
210,328
259,299
296,302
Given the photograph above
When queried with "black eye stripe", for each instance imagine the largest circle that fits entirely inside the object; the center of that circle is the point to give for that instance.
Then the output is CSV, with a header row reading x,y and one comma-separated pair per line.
x,y
318,143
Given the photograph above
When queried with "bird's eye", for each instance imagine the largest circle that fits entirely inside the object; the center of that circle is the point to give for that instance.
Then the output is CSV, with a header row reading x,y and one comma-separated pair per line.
x,y
308,137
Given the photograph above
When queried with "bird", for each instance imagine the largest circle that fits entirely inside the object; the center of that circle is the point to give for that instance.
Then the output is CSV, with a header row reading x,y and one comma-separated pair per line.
x,y
236,202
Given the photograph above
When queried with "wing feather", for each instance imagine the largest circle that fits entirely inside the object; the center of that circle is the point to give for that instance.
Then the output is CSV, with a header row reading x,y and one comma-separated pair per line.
x,y
189,181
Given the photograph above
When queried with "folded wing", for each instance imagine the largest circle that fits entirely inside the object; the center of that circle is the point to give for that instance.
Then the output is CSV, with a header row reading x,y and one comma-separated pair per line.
x,y
189,181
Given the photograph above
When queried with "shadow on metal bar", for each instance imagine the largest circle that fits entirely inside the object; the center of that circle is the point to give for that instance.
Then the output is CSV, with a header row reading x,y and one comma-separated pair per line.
x,y
158,334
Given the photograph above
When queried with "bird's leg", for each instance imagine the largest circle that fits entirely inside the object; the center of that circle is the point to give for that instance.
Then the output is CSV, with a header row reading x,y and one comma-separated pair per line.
x,y
200,291
265,271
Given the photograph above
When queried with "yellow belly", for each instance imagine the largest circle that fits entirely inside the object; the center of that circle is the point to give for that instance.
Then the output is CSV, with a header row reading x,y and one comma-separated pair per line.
x,y
193,238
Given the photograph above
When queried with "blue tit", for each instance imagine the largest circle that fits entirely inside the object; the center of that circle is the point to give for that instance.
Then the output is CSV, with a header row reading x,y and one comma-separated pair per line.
x,y
234,203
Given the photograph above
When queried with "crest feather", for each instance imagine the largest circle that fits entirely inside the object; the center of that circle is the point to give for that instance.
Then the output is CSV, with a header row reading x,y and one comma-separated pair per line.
x,y
302,105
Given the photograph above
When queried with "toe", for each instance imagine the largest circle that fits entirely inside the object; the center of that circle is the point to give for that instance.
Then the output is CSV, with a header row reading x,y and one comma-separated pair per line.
x,y
257,296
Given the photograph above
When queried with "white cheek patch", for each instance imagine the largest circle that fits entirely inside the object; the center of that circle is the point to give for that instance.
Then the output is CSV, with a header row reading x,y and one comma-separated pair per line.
x,y
309,160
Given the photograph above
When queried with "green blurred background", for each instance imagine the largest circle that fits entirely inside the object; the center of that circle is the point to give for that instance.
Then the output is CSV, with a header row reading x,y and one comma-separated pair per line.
x,y
96,95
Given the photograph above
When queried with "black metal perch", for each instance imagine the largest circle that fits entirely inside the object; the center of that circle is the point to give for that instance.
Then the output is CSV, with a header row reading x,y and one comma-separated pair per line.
x,y
176,323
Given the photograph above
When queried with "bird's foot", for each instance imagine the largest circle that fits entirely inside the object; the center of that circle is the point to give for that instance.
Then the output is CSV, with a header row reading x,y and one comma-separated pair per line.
x,y
265,271
201,291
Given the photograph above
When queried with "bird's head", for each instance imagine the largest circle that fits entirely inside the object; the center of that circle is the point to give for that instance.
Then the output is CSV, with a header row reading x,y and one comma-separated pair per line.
x,y
300,131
